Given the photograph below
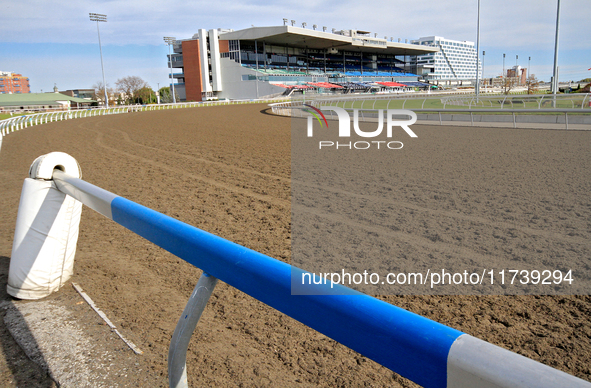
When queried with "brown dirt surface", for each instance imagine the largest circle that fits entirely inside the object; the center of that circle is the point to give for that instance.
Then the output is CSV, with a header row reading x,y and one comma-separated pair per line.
x,y
227,170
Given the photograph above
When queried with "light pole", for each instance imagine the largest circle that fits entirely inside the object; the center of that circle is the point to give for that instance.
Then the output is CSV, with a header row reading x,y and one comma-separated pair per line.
x,y
483,78
169,41
97,17
527,79
555,75
529,67
503,78
478,53
517,79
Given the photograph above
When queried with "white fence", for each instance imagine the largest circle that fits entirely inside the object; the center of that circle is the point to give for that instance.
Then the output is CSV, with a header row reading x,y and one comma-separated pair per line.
x,y
562,111
442,100
19,122
424,351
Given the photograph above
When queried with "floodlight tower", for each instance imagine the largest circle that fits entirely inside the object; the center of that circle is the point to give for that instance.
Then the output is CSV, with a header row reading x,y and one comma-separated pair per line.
x,y
169,41
529,65
483,79
97,17
555,72
477,87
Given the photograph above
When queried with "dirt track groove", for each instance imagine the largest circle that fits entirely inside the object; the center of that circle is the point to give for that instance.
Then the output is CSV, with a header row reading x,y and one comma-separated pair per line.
x,y
226,170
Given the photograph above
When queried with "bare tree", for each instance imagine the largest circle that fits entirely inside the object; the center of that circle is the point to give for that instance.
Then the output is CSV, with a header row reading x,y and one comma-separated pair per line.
x,y
507,83
130,86
99,92
532,84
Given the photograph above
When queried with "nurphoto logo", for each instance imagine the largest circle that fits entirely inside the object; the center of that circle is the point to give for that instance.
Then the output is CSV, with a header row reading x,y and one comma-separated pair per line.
x,y
344,118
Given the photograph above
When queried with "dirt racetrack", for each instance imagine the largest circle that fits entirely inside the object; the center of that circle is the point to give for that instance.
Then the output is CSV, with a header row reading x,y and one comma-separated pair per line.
x,y
227,170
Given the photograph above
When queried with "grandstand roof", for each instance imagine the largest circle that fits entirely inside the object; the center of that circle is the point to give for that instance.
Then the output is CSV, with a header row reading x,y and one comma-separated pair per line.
x,y
303,37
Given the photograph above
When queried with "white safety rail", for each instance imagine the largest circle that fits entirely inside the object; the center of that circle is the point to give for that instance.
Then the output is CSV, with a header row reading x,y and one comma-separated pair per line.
x,y
444,100
50,115
422,350
544,101
494,110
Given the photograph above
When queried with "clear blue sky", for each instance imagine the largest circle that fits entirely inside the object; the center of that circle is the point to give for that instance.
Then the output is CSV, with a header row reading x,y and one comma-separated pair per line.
x,y
54,42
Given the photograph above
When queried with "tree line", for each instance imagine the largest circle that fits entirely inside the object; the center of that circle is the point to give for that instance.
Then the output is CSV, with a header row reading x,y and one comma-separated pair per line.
x,y
131,90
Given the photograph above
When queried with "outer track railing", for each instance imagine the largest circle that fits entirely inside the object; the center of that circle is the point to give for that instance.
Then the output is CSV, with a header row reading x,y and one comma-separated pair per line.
x,y
19,122
439,100
426,352
555,116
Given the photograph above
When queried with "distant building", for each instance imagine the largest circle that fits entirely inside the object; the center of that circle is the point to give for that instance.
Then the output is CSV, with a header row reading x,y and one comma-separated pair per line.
x,y
41,102
12,83
518,74
454,63
87,94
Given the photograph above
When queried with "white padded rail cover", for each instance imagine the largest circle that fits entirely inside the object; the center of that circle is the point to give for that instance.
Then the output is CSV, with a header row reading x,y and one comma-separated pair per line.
x,y
475,363
46,232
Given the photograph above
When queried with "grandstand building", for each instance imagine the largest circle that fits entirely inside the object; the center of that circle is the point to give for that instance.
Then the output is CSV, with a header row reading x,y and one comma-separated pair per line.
x,y
11,83
453,63
268,61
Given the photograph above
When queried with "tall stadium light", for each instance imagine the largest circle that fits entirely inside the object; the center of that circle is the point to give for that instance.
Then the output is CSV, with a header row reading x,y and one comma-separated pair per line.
x,y
169,41
555,73
97,17
528,65
483,78
478,53
284,21
503,65
516,58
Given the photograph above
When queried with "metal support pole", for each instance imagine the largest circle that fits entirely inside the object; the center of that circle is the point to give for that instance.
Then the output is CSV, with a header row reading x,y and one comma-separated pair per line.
x,y
177,353
171,75
256,56
478,53
101,18
102,66
555,77
483,78
504,69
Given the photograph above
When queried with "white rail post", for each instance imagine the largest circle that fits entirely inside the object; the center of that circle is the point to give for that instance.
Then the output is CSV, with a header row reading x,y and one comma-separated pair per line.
x,y
46,231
